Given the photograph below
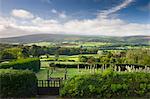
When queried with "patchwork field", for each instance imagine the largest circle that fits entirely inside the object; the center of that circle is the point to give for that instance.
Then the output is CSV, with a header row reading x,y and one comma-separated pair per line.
x,y
70,44
65,58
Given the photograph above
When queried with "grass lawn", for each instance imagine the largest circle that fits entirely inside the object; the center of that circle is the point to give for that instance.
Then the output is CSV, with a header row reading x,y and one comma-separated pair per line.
x,y
48,44
91,44
68,58
45,64
60,72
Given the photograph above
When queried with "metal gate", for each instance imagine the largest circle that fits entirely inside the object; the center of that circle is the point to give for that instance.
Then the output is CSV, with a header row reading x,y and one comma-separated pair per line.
x,y
49,87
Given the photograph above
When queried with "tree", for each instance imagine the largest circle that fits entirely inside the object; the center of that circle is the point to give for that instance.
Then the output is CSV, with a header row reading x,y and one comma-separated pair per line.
x,y
36,51
138,56
15,51
7,55
91,60
56,56
83,58
25,52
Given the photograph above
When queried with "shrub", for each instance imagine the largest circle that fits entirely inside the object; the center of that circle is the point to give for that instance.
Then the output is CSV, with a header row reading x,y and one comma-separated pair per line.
x,y
74,65
83,65
17,83
4,55
107,84
69,65
29,63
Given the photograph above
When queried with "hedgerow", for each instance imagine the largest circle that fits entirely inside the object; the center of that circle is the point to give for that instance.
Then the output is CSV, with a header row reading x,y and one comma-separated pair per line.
x,y
107,84
29,63
17,83
74,65
83,65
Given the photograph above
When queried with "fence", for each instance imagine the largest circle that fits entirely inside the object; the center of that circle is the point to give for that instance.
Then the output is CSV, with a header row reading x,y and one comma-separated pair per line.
x,y
49,87
49,83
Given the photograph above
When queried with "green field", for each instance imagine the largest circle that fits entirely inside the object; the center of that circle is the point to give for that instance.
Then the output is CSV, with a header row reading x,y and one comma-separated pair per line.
x,y
48,44
46,63
67,58
70,44
64,59
60,72
97,44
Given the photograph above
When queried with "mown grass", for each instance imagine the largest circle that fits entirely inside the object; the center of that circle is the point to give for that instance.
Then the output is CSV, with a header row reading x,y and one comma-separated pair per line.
x,y
48,44
69,58
97,44
60,72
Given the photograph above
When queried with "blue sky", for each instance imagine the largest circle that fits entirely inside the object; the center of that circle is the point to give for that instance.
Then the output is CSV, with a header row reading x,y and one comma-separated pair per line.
x,y
93,16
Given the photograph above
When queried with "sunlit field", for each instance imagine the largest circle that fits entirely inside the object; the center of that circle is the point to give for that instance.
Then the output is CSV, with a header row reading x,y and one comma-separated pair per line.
x,y
68,49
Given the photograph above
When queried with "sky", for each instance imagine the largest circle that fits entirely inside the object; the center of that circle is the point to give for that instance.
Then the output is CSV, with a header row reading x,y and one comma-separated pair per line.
x,y
81,17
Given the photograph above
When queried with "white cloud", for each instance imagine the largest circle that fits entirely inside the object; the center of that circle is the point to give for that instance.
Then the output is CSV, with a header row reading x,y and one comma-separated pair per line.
x,y
105,13
20,13
62,15
114,27
40,21
54,11
59,14
97,26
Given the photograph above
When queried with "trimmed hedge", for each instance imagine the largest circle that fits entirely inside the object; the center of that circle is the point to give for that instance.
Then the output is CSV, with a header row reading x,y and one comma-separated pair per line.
x,y
83,65
29,63
61,65
69,65
107,84
17,83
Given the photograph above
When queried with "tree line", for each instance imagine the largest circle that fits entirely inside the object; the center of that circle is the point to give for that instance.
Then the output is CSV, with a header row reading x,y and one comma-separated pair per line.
x,y
137,56
21,51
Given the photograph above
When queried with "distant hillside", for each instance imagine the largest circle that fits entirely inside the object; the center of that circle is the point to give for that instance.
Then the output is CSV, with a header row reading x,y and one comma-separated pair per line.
x,y
63,37
39,38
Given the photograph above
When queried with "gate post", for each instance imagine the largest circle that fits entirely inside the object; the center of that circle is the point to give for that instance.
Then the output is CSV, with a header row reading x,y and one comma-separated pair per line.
x,y
48,82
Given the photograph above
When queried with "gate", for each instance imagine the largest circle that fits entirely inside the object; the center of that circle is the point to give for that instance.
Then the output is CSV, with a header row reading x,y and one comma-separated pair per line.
x,y
49,87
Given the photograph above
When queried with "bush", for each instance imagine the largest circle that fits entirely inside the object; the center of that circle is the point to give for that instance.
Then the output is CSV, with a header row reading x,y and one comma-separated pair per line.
x,y
107,84
59,65
74,65
29,63
17,83
83,65
4,55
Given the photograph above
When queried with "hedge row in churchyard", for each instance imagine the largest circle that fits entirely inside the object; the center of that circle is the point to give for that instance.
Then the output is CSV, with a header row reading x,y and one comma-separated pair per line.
x,y
75,65
17,83
97,65
107,84
29,63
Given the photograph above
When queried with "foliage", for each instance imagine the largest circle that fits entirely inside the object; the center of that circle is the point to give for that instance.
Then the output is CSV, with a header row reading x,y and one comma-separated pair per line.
x,y
14,53
136,56
36,51
29,63
7,55
67,65
83,58
73,65
140,56
17,83
107,84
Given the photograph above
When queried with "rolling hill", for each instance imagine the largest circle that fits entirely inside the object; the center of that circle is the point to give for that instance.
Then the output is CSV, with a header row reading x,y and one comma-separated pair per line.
x,y
65,37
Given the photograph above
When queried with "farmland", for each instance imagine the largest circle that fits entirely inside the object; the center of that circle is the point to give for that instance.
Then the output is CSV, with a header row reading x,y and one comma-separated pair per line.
x,y
70,44
74,60
60,72
72,49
